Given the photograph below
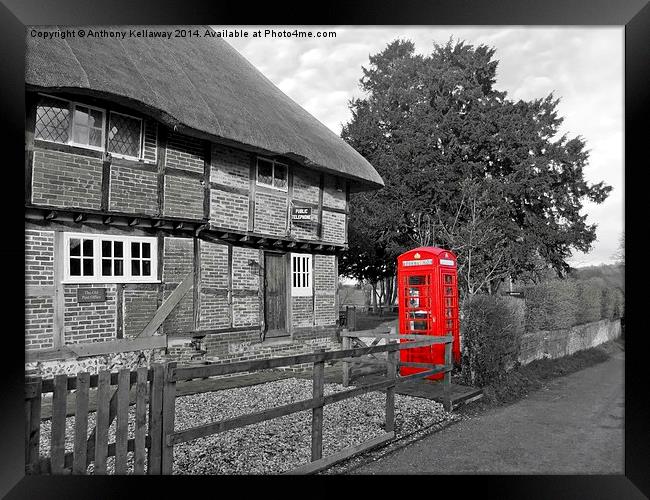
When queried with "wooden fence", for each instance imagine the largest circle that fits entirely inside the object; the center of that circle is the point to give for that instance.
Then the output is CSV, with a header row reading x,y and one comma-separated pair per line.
x,y
155,437
389,334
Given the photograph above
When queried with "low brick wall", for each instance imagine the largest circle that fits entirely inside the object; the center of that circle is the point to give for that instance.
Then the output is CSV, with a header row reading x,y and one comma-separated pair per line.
x,y
558,343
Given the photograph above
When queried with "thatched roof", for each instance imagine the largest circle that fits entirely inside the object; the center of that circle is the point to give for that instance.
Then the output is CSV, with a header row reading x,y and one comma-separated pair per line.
x,y
200,85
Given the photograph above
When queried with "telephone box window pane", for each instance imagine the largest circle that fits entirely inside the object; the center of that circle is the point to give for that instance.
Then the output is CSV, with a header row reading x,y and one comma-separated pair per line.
x,y
450,323
75,267
419,325
448,301
448,313
449,291
75,246
414,299
88,267
416,280
448,278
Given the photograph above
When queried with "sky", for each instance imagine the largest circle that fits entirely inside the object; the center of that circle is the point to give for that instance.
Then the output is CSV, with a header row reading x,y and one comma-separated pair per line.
x,y
583,66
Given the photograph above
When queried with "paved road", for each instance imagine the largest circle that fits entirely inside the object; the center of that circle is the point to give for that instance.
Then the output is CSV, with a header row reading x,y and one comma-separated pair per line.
x,y
572,426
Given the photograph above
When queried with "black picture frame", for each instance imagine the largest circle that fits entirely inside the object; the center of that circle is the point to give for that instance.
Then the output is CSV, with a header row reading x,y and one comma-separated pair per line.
x,y
16,14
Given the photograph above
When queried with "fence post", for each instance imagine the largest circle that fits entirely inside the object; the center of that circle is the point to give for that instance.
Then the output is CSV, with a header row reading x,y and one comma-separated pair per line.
x,y
352,318
447,377
345,366
154,465
33,423
391,374
317,413
168,413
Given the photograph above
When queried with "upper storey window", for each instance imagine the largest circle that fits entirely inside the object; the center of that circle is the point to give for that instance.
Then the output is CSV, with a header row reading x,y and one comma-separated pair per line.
x,y
88,127
270,173
76,124
125,135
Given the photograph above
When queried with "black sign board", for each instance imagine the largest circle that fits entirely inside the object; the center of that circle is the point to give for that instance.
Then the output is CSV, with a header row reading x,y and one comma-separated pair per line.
x,y
91,295
300,213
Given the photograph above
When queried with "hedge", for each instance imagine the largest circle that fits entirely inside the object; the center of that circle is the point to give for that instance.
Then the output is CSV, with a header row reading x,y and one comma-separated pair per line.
x,y
590,300
491,329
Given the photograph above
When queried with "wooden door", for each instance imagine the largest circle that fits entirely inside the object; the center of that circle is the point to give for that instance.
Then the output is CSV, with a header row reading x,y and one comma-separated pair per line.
x,y
275,295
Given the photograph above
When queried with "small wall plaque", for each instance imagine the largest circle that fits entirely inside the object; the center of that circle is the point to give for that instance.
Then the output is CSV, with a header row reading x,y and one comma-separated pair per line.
x,y
91,295
300,213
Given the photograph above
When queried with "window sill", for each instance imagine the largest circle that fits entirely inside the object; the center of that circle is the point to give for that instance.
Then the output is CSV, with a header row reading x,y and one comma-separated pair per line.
x,y
107,281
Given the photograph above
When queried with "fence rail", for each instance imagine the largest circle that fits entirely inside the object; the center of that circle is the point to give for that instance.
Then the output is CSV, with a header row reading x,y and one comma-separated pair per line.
x,y
154,437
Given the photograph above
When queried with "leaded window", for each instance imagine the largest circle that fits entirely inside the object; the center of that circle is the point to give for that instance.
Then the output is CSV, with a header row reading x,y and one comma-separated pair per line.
x,y
52,120
125,135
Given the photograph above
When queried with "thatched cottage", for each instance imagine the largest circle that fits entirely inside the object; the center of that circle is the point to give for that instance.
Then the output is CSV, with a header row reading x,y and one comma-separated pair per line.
x,y
177,201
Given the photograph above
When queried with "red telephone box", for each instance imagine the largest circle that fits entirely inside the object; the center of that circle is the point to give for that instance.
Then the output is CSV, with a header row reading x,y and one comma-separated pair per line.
x,y
428,304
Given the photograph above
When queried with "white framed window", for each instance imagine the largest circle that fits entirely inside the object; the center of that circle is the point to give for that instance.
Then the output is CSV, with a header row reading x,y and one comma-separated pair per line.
x,y
273,174
125,136
76,124
67,122
87,126
102,258
301,275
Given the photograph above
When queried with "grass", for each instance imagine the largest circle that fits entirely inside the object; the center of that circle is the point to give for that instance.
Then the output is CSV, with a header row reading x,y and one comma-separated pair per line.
x,y
521,380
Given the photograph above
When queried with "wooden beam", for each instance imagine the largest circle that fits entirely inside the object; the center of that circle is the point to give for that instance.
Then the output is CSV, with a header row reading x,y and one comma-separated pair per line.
x,y
278,411
72,351
167,306
157,223
79,217
134,221
39,290
106,179
58,333
345,453
178,225
161,158
107,219
187,373
252,184
321,189
51,215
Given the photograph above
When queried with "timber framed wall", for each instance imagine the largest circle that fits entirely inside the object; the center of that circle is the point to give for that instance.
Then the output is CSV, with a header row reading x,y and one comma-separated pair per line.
x,y
202,202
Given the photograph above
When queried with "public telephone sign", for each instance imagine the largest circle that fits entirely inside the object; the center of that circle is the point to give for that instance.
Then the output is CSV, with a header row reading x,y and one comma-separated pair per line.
x,y
423,262
300,213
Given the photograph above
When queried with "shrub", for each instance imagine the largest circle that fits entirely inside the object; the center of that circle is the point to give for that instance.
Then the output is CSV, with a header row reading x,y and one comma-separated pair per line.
x,y
551,305
492,327
590,300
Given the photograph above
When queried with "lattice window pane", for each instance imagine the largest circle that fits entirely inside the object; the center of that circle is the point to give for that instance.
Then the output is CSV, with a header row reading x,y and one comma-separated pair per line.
x,y
124,135
52,120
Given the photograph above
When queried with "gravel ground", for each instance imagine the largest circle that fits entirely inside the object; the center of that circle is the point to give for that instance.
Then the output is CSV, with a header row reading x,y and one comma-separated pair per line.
x,y
277,445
